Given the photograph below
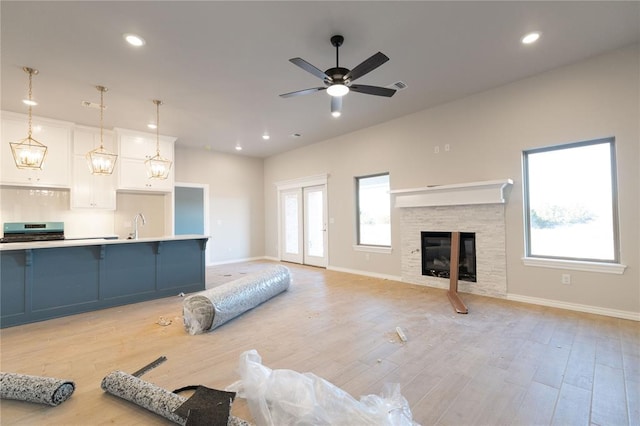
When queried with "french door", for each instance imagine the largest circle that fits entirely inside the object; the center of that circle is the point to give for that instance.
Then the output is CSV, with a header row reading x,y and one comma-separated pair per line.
x,y
303,227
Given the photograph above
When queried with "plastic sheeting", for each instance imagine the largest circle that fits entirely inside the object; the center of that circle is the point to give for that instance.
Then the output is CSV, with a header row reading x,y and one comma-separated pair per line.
x,y
285,397
206,310
42,390
151,397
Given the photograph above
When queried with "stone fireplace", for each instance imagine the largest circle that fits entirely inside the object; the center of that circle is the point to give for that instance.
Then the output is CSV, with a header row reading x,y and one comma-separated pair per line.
x,y
476,207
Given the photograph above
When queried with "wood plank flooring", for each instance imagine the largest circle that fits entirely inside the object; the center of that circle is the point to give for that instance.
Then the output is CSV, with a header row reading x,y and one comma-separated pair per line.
x,y
505,363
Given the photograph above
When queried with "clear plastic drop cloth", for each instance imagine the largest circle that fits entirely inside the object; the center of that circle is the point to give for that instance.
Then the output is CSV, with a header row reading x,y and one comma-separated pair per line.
x,y
286,397
206,310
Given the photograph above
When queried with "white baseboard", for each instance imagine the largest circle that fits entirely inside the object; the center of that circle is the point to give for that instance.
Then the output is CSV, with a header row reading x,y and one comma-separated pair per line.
x,y
365,273
616,313
246,259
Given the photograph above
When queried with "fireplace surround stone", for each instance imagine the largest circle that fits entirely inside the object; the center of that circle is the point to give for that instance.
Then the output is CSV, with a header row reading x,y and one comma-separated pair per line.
x,y
427,209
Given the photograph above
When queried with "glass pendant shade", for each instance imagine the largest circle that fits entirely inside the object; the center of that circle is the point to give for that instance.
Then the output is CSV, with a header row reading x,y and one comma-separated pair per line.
x,y
29,153
157,166
99,160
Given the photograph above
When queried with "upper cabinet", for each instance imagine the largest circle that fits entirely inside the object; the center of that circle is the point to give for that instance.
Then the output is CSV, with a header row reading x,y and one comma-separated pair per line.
x,y
56,135
92,191
134,149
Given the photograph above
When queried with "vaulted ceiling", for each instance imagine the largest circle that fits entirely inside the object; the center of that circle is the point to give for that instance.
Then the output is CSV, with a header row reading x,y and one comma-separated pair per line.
x,y
219,67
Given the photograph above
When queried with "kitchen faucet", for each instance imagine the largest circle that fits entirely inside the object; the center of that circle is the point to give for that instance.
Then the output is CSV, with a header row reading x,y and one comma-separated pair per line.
x,y
134,234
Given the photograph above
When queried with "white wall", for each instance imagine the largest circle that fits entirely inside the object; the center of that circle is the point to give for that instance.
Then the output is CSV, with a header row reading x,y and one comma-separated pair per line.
x,y
236,211
487,133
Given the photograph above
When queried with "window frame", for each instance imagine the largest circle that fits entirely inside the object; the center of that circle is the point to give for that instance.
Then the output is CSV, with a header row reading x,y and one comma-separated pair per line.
x,y
563,260
359,244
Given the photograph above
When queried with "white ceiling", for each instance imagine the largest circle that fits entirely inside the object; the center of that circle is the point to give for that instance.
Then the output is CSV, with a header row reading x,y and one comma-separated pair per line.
x,y
220,66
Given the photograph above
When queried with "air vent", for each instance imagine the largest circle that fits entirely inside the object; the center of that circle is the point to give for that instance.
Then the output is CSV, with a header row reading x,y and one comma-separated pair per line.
x,y
398,85
91,105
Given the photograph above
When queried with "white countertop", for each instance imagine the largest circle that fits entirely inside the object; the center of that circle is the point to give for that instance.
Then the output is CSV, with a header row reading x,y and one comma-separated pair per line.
x,y
92,242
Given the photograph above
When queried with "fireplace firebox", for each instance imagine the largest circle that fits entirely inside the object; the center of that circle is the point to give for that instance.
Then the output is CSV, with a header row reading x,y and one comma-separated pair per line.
x,y
436,255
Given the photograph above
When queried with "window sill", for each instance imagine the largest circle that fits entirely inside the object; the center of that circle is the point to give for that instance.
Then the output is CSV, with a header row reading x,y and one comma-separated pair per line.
x,y
576,265
373,249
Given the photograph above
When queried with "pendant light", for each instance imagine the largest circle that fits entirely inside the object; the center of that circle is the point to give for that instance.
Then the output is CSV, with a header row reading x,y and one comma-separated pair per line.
x,y
158,167
29,153
101,161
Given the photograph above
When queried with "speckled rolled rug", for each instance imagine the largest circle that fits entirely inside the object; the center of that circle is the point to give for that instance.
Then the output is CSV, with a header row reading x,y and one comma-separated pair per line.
x,y
42,390
151,397
209,309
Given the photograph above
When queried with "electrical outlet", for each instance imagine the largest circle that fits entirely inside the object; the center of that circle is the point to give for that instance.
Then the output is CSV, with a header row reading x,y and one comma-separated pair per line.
x,y
436,150
447,147
566,279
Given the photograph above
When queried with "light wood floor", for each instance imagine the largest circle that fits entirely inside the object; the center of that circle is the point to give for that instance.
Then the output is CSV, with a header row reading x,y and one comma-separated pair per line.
x,y
503,363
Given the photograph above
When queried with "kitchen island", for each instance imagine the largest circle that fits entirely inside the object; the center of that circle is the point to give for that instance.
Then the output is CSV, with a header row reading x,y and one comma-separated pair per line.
x,y
50,279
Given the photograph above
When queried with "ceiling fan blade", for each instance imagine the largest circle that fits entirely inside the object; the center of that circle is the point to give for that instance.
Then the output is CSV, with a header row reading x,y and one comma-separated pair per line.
x,y
302,92
372,90
310,68
367,66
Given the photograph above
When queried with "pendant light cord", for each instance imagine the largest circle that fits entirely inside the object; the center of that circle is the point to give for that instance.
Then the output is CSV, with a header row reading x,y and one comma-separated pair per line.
x,y
157,102
101,89
30,71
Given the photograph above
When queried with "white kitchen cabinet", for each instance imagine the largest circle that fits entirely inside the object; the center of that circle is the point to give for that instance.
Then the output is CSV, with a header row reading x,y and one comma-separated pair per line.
x,y
134,149
89,190
56,135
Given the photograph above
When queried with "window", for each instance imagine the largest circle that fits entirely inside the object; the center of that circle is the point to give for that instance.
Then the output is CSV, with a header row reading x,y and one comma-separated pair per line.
x,y
374,210
571,202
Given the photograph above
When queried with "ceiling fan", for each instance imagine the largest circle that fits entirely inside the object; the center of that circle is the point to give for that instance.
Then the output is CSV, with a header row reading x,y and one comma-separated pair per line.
x,y
338,80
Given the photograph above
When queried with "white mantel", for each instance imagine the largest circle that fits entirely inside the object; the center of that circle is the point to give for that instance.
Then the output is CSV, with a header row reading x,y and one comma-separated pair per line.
x,y
484,192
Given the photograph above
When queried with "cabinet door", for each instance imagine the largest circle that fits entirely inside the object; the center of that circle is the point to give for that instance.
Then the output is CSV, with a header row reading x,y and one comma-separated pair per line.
x,y
133,176
135,148
88,190
56,136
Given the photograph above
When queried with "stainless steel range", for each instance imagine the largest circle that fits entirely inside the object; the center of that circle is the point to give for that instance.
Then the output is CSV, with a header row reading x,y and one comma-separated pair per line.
x,y
20,232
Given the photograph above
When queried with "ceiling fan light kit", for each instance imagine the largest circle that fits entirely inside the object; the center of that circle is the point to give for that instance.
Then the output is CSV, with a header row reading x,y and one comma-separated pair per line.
x,y
338,80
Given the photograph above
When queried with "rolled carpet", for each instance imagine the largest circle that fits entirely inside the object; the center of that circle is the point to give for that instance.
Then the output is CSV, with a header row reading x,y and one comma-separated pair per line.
x,y
42,390
211,308
151,397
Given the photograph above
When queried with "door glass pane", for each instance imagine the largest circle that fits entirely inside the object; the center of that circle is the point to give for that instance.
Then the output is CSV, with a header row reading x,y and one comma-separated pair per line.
x,y
291,224
315,224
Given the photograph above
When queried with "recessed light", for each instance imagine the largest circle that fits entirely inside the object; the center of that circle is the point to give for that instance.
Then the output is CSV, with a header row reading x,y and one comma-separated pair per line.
x,y
238,148
336,114
29,102
134,40
152,126
266,137
530,38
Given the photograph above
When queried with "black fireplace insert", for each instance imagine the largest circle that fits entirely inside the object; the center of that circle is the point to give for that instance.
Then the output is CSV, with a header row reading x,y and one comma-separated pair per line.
x,y
436,255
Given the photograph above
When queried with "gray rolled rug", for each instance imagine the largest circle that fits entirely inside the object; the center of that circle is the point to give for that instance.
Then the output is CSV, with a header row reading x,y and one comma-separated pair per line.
x,y
151,397
209,309
42,390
